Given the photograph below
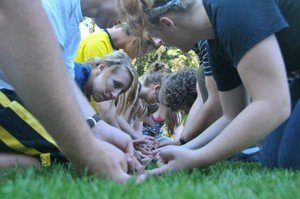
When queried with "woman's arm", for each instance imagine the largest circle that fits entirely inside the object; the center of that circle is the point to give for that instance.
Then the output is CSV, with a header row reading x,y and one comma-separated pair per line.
x,y
263,74
138,126
34,66
107,112
236,96
262,71
201,115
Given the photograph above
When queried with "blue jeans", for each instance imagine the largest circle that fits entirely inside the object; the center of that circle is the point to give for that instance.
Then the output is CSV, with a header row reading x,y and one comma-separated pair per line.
x,y
281,148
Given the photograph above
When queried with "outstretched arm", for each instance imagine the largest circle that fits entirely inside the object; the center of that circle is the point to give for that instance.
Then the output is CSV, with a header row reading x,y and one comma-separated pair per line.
x,y
107,112
236,96
262,71
34,66
263,74
202,116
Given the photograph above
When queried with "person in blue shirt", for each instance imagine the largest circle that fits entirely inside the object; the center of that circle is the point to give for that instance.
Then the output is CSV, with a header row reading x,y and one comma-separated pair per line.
x,y
252,46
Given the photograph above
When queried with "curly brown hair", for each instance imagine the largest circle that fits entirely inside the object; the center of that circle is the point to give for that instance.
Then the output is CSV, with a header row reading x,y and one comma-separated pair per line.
x,y
178,90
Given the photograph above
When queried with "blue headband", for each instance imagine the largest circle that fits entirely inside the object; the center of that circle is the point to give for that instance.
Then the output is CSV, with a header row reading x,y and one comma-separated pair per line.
x,y
154,12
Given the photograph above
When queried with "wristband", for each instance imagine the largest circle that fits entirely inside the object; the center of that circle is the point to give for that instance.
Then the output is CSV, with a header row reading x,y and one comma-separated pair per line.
x,y
182,141
92,121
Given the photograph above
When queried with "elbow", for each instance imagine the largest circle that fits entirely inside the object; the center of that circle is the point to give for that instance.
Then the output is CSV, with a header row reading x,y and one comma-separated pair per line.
x,y
283,109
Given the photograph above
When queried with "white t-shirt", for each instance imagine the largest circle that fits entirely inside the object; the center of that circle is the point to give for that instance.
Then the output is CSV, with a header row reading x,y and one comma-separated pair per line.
x,y
65,17
3,83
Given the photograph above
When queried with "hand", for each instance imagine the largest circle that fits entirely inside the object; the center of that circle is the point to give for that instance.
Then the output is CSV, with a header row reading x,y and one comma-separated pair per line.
x,y
106,132
142,157
147,140
144,149
173,142
104,160
123,141
173,158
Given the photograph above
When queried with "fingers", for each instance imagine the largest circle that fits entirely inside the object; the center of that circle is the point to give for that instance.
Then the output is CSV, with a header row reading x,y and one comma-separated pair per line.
x,y
122,177
136,165
149,138
169,143
144,150
130,163
155,152
139,141
160,170
166,153
165,144
129,150
142,177
124,164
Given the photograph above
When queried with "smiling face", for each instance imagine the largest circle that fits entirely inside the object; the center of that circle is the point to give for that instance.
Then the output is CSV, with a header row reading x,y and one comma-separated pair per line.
x,y
109,84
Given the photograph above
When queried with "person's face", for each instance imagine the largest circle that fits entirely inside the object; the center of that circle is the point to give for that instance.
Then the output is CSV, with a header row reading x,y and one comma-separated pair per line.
x,y
107,14
151,45
172,35
151,96
111,86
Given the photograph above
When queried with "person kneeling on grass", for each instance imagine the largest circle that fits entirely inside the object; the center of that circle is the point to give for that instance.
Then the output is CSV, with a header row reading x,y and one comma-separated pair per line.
x,y
25,142
180,92
252,55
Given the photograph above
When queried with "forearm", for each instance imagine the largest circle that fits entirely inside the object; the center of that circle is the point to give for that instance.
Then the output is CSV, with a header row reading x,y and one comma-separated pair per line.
x,y
199,118
107,112
84,104
250,126
209,134
34,66
126,127
112,121
138,127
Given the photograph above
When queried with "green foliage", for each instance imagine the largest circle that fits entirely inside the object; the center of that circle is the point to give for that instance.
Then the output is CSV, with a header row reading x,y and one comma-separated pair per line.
x,y
174,57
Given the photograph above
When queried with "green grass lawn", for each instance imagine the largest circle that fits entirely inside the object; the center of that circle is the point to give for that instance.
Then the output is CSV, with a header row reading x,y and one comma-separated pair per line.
x,y
223,180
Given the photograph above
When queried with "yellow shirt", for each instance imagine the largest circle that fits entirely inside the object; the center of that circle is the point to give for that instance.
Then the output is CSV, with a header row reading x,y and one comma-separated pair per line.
x,y
96,44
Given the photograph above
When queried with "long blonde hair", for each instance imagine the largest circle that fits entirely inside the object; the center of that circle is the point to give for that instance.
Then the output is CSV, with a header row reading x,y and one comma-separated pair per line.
x,y
115,61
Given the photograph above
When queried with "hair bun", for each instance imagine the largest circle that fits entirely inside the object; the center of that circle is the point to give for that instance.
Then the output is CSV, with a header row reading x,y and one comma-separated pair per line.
x,y
159,67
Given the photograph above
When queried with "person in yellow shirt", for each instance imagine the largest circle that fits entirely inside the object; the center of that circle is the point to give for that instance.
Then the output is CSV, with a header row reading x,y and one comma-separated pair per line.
x,y
100,43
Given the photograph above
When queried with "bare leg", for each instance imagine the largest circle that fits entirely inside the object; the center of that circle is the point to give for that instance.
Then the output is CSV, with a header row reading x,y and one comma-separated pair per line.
x,y
33,64
13,159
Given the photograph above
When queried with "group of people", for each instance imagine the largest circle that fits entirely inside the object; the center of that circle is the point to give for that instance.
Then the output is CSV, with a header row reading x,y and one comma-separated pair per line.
x,y
248,89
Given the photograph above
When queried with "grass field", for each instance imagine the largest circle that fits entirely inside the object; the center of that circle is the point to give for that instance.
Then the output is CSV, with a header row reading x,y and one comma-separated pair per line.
x,y
223,180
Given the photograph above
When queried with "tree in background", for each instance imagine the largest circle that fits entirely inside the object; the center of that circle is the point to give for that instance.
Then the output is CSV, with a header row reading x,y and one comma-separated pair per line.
x,y
174,57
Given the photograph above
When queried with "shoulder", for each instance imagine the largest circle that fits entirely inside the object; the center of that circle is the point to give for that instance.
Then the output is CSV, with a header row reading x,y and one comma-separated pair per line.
x,y
239,25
